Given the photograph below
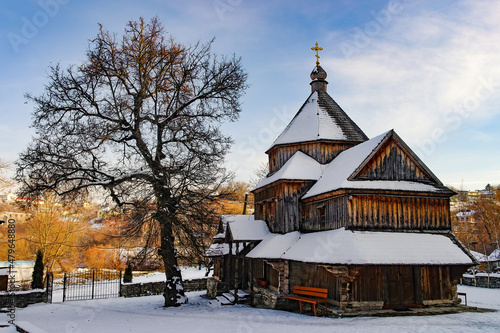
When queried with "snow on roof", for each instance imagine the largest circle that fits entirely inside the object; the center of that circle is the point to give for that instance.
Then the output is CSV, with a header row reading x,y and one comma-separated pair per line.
x,y
223,223
364,247
221,235
479,256
221,249
311,123
225,219
336,174
299,167
246,228
465,213
494,256
274,245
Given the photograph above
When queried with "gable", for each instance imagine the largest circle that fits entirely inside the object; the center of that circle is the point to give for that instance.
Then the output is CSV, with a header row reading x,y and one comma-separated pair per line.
x,y
364,167
394,160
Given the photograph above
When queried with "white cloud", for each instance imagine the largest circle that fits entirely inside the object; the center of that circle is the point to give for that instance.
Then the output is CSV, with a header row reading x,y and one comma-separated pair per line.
x,y
416,70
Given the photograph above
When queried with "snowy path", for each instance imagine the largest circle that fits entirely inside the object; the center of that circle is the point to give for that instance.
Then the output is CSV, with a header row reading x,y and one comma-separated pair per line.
x,y
145,314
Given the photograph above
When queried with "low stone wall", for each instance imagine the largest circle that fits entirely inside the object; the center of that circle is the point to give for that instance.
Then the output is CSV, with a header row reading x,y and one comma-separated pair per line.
x,y
157,288
22,299
481,280
267,298
216,287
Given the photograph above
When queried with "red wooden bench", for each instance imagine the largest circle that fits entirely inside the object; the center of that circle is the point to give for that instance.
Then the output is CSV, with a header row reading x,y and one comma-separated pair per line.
x,y
308,295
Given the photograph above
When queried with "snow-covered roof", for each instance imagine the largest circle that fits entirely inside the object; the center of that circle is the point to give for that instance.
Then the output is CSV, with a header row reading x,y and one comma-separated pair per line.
x,y
494,256
246,228
221,249
465,213
336,175
345,247
320,118
299,167
274,245
221,235
479,256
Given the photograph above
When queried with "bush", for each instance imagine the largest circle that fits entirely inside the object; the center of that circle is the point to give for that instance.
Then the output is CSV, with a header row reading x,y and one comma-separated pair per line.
x,y
127,276
37,278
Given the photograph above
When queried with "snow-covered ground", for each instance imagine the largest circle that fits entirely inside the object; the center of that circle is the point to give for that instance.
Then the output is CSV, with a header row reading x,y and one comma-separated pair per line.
x,y
145,314
188,273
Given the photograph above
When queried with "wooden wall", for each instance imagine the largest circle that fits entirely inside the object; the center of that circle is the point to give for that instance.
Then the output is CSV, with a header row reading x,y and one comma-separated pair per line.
x,y
373,283
263,270
398,212
310,275
335,215
321,151
368,286
392,163
378,212
279,205
436,283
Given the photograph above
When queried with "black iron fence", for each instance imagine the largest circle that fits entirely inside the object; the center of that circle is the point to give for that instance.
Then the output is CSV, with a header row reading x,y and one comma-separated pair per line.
x,y
93,284
49,287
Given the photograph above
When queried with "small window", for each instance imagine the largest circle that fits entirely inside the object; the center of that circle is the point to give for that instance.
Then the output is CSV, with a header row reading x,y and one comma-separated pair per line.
x,y
322,216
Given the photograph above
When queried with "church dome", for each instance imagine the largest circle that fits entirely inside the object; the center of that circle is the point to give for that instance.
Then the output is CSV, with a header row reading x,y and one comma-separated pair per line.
x,y
318,73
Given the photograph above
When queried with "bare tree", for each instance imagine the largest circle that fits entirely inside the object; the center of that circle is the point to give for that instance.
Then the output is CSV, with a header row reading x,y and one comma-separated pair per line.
x,y
55,229
5,182
140,118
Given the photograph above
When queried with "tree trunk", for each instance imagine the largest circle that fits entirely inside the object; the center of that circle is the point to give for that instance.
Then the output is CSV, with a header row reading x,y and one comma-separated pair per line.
x,y
174,291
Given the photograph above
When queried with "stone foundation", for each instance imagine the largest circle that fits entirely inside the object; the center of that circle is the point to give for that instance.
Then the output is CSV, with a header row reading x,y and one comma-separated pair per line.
x,y
216,287
357,306
22,299
481,281
158,288
439,302
267,298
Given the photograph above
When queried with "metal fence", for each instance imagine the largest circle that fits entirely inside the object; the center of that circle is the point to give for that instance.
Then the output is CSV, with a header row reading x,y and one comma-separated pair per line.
x,y
49,280
93,284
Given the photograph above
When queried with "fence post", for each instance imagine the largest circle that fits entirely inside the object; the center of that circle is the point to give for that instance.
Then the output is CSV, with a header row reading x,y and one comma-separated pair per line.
x,y
120,281
64,287
93,278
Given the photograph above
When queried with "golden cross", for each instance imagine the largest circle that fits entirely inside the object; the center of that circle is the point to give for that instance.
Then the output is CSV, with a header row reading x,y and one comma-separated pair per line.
x,y
317,49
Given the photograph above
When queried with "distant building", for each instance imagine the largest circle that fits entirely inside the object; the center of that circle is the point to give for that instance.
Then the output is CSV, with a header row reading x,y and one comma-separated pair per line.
x,y
22,270
18,216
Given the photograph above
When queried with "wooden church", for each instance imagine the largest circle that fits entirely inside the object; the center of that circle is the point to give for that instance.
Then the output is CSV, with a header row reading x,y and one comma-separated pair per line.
x,y
363,218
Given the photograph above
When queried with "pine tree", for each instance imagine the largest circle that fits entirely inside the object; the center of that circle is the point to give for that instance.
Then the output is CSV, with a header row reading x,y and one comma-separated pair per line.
x,y
127,276
37,279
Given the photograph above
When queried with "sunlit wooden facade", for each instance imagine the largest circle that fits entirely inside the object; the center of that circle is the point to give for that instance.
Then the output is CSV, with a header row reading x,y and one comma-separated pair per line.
x,y
376,186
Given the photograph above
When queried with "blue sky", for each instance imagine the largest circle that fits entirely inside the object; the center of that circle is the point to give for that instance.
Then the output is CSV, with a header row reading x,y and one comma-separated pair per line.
x,y
428,69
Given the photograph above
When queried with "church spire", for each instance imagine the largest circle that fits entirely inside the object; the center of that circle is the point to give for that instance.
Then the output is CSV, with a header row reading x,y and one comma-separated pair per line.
x,y
318,75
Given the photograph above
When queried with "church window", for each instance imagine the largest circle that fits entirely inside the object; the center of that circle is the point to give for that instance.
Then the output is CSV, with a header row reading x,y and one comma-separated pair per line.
x,y
322,216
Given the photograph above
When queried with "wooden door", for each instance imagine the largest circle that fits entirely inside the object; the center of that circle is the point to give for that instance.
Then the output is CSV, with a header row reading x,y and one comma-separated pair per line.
x,y
400,286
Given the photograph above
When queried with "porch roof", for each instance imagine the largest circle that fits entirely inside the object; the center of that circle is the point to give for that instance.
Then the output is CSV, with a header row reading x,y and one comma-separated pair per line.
x,y
274,245
345,247
245,228
221,249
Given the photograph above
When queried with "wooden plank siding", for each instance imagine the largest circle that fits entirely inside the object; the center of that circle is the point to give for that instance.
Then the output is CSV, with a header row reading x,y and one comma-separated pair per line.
x,y
368,286
372,284
436,283
310,275
391,162
321,151
336,215
398,213
279,205
378,212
